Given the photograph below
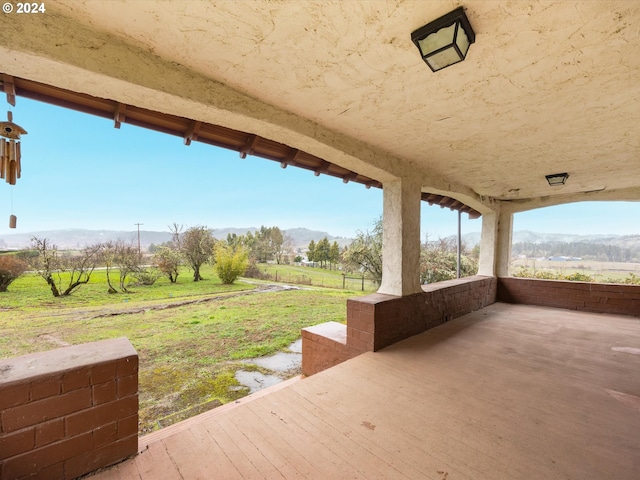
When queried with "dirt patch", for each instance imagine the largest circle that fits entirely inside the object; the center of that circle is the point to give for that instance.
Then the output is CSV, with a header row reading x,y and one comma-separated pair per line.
x,y
267,288
51,339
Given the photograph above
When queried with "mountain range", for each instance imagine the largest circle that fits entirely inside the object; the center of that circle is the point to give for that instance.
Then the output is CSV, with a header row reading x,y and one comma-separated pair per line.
x,y
78,238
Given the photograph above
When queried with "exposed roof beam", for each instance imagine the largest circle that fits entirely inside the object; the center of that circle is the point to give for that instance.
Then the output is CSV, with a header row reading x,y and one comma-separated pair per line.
x,y
243,142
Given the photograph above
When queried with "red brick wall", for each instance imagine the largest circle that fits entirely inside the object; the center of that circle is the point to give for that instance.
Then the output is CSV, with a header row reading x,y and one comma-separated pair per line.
x,y
324,346
590,297
377,320
67,412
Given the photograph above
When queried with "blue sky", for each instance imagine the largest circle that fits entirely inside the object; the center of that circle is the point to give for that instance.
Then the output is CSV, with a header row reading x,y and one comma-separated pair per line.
x,y
80,172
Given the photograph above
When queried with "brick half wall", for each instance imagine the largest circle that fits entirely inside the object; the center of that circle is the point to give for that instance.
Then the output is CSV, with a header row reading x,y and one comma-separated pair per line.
x,y
67,412
376,321
583,296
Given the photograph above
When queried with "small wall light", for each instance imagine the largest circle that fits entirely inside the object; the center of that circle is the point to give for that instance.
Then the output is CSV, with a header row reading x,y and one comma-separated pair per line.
x,y
445,41
557,179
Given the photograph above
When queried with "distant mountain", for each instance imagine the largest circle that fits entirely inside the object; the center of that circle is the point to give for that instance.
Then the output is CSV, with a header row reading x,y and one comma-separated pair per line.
x,y
526,236
302,236
523,236
79,238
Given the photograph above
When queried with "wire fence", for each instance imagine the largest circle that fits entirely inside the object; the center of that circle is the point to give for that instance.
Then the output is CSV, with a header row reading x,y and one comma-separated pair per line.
x,y
342,281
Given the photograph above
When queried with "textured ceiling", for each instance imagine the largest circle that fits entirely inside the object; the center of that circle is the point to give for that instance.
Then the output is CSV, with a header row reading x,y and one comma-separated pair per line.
x,y
548,87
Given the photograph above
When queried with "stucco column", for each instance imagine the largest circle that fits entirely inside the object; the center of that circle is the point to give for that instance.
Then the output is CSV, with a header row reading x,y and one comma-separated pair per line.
x,y
495,243
401,238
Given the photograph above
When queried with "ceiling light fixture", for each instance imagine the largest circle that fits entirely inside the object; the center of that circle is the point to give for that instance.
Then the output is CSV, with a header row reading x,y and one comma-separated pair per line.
x,y
445,41
557,179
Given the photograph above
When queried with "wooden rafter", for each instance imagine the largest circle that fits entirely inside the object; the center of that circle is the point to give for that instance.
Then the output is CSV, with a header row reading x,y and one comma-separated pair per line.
x,y
192,130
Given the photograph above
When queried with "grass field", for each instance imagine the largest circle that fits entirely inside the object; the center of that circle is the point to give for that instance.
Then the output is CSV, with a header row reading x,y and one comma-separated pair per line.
x,y
316,276
190,336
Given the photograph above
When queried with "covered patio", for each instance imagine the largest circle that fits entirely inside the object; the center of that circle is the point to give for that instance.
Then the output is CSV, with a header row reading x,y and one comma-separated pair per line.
x,y
506,392
441,381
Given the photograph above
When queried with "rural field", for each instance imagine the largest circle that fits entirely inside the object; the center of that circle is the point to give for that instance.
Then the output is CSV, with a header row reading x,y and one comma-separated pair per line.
x,y
191,336
599,271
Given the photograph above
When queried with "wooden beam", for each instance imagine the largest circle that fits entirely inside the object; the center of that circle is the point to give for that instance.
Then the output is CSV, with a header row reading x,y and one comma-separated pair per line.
x,y
247,149
119,115
9,88
192,132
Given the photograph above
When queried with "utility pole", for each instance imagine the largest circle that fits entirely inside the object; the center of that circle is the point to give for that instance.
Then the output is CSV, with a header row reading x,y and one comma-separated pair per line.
x,y
138,224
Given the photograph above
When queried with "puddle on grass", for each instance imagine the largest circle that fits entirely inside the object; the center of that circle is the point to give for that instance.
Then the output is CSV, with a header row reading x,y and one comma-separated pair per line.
x,y
282,365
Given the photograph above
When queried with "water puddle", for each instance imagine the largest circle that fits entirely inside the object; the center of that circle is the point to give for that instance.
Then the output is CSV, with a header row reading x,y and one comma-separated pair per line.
x,y
281,366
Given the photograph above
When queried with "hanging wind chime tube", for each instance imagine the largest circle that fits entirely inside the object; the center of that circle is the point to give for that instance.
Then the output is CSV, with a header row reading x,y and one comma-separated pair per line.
x,y
10,167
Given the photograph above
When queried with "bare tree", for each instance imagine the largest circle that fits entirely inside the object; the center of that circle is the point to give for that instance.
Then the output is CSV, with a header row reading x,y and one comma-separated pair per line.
x,y
283,248
109,259
176,234
128,262
123,257
197,245
64,273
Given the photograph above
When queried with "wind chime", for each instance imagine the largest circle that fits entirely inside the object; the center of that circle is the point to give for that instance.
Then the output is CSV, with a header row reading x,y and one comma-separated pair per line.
x,y
10,168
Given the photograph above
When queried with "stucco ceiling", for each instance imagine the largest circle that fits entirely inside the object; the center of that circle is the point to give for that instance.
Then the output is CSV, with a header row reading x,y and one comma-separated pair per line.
x,y
548,87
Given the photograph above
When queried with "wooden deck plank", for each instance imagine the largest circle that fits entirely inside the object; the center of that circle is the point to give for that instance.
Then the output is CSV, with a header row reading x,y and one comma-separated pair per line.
x,y
323,463
246,445
427,447
220,461
154,462
195,458
235,454
507,392
340,451
122,471
280,461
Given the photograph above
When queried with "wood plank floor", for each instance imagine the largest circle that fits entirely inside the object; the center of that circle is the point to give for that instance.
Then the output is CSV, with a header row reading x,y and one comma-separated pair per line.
x,y
507,392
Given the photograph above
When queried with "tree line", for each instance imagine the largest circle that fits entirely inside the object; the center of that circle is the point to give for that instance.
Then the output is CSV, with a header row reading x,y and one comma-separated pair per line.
x,y
585,250
237,255
66,271
438,259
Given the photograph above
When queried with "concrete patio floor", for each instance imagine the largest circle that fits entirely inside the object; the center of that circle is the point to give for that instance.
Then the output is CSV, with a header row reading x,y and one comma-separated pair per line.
x,y
506,392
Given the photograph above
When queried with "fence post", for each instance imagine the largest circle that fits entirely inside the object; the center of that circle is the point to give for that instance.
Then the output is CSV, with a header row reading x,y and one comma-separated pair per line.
x,y
363,283
276,275
343,280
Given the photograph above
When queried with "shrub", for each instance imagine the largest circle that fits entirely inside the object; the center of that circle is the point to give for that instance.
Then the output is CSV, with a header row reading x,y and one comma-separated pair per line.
x,y
632,279
579,277
11,268
147,276
253,271
230,262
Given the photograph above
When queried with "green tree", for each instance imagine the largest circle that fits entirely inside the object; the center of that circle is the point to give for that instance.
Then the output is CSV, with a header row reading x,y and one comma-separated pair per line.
x,y
196,245
230,262
323,252
268,244
364,254
311,251
168,261
439,261
334,254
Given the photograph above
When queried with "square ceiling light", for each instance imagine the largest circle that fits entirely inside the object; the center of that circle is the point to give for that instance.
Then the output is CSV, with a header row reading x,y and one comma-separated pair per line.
x,y
557,179
445,41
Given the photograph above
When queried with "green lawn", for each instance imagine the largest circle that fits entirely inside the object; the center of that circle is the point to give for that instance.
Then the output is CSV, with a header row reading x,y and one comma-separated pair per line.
x,y
190,336
315,276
